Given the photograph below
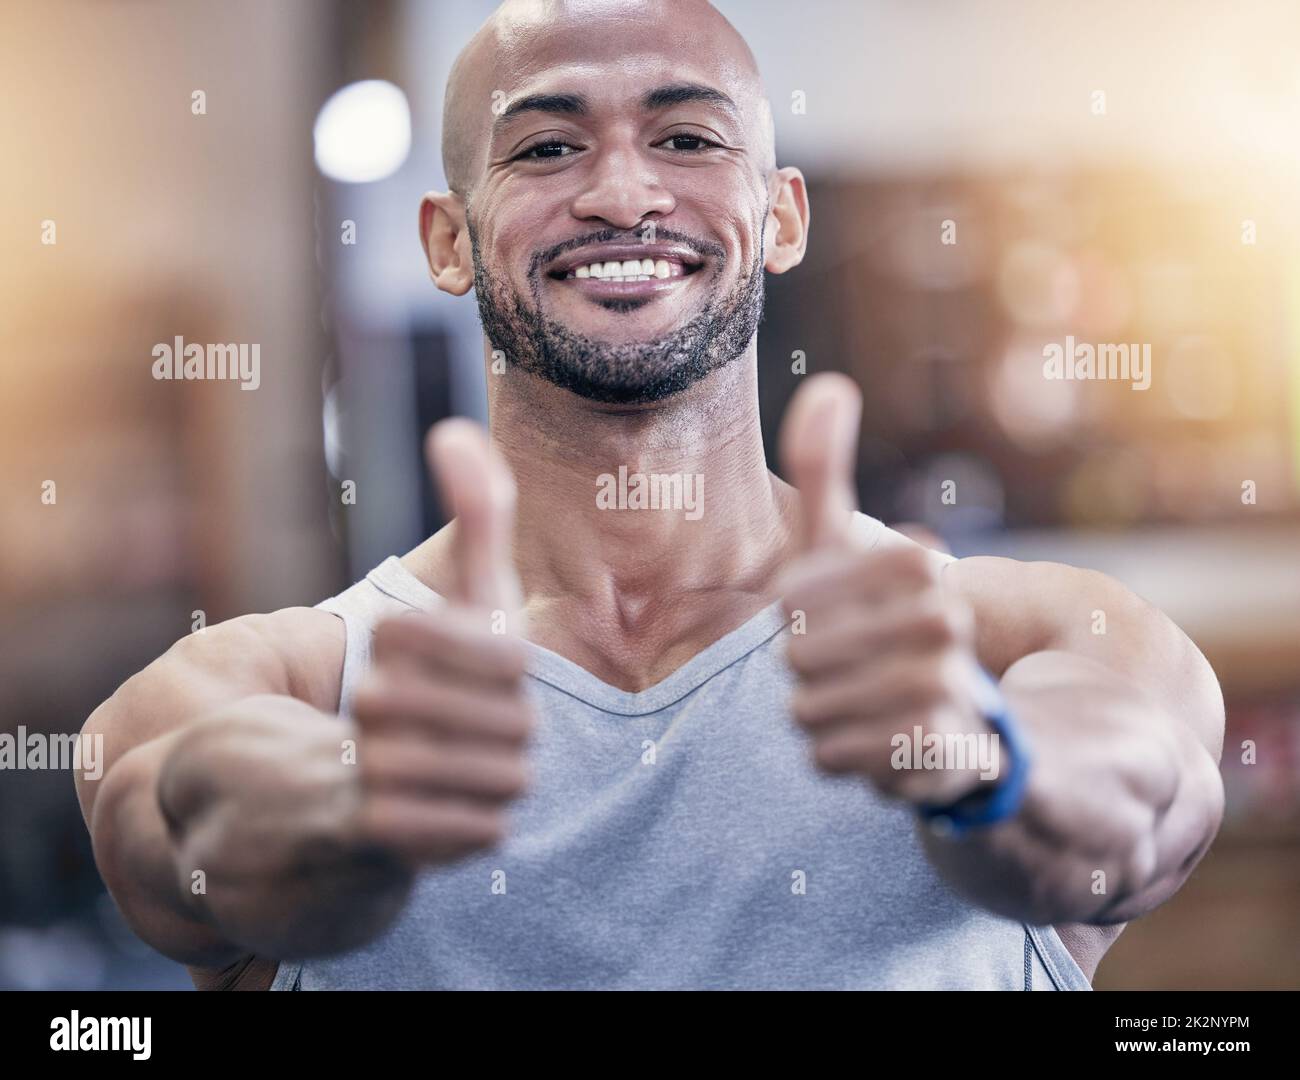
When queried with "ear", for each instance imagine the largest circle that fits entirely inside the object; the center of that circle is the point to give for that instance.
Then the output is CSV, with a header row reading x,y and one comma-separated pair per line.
x,y
785,232
446,241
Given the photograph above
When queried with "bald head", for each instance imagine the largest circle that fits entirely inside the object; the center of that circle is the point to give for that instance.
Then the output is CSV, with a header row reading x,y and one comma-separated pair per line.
x,y
526,49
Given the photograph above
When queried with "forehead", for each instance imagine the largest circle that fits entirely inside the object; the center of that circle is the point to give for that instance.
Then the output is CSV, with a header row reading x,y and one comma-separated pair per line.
x,y
588,47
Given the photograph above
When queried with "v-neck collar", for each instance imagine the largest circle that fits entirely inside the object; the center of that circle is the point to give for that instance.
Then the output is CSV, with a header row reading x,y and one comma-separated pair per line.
x,y
393,579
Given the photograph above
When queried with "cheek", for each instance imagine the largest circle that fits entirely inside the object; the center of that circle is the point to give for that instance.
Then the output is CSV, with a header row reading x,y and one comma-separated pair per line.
x,y
502,232
733,213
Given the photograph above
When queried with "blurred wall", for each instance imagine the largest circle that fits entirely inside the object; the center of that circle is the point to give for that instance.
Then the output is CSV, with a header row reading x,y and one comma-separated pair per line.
x,y
172,502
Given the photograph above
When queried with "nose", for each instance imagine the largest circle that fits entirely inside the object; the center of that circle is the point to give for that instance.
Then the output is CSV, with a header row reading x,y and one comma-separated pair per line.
x,y
621,188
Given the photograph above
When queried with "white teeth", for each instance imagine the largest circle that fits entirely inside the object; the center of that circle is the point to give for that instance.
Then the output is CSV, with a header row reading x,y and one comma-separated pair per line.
x,y
628,270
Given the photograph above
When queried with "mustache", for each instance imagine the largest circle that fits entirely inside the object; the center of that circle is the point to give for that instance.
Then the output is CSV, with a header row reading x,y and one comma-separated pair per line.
x,y
698,244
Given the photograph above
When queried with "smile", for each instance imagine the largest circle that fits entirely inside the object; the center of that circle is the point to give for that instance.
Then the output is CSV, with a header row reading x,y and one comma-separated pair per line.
x,y
627,270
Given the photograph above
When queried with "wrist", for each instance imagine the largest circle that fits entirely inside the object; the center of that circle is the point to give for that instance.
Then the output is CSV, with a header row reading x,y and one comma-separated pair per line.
x,y
999,798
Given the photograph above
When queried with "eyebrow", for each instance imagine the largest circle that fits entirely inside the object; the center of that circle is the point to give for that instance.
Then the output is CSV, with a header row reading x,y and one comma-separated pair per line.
x,y
568,104
661,97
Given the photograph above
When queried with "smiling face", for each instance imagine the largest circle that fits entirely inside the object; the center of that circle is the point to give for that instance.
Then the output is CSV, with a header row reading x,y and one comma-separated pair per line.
x,y
616,179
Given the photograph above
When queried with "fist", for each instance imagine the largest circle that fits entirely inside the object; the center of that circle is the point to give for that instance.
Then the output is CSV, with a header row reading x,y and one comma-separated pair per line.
x,y
443,718
883,653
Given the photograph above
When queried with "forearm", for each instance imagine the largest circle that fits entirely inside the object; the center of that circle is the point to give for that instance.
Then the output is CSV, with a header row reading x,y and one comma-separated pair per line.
x,y
235,835
1122,801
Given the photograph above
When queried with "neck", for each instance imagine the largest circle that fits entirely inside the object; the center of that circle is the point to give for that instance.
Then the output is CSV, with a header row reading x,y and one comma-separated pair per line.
x,y
564,450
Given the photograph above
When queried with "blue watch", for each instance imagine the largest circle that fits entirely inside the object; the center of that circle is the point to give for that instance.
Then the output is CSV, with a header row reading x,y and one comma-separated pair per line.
x,y
1000,801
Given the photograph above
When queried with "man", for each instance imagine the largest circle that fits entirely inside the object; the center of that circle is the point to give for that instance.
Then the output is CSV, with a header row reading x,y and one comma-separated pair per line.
x,y
721,711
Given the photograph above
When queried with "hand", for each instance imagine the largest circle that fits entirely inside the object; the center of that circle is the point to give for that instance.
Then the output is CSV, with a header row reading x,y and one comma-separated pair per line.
x,y
885,648
443,718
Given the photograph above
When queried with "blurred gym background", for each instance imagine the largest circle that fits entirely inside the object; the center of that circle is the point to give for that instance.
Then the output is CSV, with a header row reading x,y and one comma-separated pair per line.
x,y
1116,172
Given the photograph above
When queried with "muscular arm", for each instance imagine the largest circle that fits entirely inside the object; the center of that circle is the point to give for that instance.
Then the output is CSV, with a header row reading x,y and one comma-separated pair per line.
x,y
218,823
1126,729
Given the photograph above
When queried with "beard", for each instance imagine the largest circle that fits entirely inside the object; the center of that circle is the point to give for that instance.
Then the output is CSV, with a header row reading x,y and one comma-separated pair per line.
x,y
624,373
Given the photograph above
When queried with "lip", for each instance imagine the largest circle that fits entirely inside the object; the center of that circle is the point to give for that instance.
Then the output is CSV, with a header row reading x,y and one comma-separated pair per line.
x,y
622,290
676,253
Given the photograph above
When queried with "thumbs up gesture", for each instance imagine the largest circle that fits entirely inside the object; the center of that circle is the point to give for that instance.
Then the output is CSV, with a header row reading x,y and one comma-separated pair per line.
x,y
442,716
879,647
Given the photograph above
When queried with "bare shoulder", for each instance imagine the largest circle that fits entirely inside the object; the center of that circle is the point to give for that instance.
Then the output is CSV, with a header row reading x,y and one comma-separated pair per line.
x,y
297,652
916,536
1027,594
1023,607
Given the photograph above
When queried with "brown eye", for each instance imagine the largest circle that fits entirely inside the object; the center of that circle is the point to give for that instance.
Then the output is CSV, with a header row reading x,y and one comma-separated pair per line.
x,y
688,143
545,151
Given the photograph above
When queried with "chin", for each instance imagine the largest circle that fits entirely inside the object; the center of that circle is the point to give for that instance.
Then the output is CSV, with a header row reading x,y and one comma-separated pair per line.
x,y
618,325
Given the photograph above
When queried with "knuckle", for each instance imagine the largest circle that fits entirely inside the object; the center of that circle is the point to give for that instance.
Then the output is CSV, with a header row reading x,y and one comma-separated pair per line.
x,y
832,755
372,763
382,639
516,720
515,780
912,785
955,674
935,679
933,719
931,696
799,654
935,620
394,634
373,821
914,561
805,708
527,720
825,756
511,658
492,830
862,563
371,698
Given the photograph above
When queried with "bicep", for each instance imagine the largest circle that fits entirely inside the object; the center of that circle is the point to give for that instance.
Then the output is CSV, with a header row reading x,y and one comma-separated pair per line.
x,y
224,663
1027,607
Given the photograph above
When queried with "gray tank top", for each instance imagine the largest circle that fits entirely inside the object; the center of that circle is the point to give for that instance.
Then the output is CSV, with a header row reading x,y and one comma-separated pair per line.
x,y
680,837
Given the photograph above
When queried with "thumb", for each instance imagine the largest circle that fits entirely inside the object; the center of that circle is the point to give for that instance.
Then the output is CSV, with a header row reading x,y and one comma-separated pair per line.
x,y
477,487
818,449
